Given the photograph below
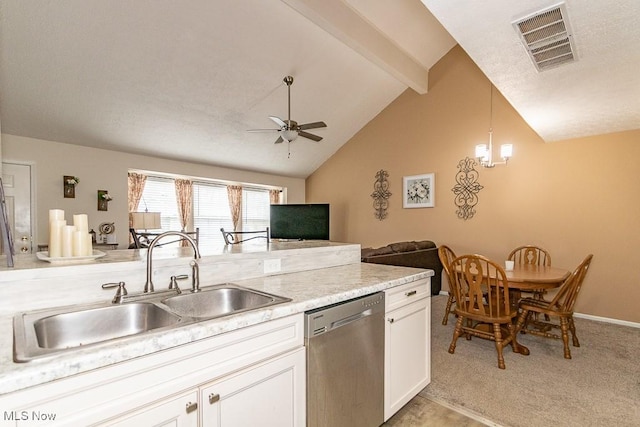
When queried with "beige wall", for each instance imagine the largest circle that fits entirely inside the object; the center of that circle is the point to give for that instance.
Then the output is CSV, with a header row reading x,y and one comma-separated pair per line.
x,y
107,170
571,197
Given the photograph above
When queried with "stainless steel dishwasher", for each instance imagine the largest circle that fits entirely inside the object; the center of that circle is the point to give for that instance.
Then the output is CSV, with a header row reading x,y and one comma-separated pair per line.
x,y
345,363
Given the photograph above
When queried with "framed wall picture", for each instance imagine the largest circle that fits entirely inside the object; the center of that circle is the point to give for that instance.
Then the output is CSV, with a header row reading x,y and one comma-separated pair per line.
x,y
418,191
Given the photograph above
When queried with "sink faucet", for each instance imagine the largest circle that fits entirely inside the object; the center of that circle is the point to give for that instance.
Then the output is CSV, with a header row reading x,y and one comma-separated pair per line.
x,y
148,286
195,276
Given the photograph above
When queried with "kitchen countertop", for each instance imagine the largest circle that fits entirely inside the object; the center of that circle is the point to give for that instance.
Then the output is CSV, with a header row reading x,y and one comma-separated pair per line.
x,y
27,265
307,289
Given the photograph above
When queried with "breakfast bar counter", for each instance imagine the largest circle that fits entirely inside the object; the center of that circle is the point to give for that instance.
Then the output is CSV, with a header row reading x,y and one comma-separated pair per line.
x,y
312,275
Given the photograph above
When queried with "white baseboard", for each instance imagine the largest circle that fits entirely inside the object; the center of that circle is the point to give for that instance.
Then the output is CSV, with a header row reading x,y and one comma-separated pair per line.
x,y
608,320
591,317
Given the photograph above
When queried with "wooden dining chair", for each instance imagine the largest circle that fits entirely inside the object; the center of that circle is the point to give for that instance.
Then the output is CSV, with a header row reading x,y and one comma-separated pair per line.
x,y
482,304
446,255
561,307
530,254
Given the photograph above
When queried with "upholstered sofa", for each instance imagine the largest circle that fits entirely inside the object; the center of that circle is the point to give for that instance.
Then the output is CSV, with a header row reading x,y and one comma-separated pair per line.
x,y
422,254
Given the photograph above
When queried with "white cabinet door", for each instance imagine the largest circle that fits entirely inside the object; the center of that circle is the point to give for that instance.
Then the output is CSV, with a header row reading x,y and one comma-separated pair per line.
x,y
269,394
178,411
407,354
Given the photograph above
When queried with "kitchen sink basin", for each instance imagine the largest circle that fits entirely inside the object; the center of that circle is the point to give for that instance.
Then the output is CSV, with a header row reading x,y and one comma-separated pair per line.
x,y
220,300
100,324
43,333
40,333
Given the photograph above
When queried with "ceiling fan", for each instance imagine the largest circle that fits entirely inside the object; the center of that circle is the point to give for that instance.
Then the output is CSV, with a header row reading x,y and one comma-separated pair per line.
x,y
290,129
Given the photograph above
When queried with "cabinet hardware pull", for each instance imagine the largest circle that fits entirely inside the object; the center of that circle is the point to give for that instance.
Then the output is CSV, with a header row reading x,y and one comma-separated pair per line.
x,y
213,398
411,293
391,320
191,407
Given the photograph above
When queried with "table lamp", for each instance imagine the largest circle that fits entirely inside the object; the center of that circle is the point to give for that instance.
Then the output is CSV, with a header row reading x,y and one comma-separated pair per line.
x,y
145,220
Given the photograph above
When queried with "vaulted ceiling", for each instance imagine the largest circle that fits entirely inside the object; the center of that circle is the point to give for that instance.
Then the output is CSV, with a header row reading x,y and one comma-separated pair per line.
x,y
186,80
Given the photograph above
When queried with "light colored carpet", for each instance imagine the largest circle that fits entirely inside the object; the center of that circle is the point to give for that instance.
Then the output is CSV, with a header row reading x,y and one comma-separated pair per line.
x,y
599,386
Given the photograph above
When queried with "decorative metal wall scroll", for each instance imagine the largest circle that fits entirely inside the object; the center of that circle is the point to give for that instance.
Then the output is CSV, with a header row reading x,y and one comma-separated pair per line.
x,y
381,194
466,189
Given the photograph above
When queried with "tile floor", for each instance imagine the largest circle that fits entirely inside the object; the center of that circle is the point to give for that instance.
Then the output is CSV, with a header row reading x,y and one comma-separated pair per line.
x,y
421,412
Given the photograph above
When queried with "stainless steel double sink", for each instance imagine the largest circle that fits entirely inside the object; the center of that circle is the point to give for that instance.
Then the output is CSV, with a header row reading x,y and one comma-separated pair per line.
x,y
44,333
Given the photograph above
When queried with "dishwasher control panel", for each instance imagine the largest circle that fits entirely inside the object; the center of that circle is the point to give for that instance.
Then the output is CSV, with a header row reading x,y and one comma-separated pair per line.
x,y
324,319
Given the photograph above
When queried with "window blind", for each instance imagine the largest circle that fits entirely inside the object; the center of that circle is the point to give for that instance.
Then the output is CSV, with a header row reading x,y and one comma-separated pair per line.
x,y
210,208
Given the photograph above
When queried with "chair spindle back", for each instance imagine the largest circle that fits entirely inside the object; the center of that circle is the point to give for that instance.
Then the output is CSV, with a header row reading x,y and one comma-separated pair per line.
x,y
529,254
566,297
480,286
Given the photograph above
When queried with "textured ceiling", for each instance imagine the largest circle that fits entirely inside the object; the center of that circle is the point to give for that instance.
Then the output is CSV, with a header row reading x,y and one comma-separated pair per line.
x,y
185,80
597,94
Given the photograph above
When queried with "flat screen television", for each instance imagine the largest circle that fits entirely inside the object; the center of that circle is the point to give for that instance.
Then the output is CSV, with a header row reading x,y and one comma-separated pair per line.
x,y
299,222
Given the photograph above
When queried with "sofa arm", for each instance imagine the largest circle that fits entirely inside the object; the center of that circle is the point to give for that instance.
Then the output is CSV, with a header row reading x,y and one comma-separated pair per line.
x,y
425,258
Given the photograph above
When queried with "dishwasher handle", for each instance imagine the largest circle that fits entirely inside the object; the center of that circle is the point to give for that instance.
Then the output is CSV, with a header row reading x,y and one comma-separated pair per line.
x,y
325,319
350,319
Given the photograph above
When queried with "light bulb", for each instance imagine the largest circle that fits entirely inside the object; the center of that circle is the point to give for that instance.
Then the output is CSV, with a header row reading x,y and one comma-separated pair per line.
x,y
481,151
506,151
289,135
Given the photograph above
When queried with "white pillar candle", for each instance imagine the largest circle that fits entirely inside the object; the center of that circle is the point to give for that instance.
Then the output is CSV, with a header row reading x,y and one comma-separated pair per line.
x,y
89,245
81,222
56,215
79,244
67,240
55,238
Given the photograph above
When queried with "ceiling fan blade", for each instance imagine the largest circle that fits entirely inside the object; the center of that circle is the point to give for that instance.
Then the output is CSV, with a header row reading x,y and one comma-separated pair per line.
x,y
313,125
263,130
310,136
278,121
279,140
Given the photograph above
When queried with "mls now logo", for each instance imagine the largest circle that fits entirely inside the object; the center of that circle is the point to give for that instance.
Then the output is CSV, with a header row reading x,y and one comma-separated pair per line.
x,y
28,416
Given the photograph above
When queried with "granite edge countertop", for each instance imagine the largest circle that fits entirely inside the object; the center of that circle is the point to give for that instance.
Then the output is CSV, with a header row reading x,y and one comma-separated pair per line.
x,y
307,290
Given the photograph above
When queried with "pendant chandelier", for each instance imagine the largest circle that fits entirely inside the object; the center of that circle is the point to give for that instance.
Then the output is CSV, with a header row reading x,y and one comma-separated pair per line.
x,y
484,152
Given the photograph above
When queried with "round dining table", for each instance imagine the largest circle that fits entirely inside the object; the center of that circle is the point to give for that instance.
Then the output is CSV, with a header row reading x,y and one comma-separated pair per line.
x,y
526,277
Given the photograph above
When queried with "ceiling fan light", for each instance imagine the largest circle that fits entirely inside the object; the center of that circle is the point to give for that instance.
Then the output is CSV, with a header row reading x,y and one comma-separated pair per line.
x,y
289,135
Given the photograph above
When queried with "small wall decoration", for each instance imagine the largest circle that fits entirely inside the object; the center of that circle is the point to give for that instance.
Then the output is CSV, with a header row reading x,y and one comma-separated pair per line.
x,y
69,185
107,233
418,191
466,189
103,200
381,194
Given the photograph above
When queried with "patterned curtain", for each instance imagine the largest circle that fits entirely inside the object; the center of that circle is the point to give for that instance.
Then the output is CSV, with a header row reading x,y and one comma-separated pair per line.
x,y
274,197
234,192
134,194
184,196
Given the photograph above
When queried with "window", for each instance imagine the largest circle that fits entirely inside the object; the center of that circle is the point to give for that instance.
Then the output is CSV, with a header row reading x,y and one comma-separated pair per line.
x,y
211,211
210,208
255,209
160,196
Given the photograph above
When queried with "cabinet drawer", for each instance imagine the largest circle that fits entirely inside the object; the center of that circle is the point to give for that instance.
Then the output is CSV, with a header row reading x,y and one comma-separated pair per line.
x,y
180,411
407,293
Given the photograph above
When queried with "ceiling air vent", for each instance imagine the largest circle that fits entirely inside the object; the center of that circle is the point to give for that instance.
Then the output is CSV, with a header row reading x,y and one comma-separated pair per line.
x,y
547,37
